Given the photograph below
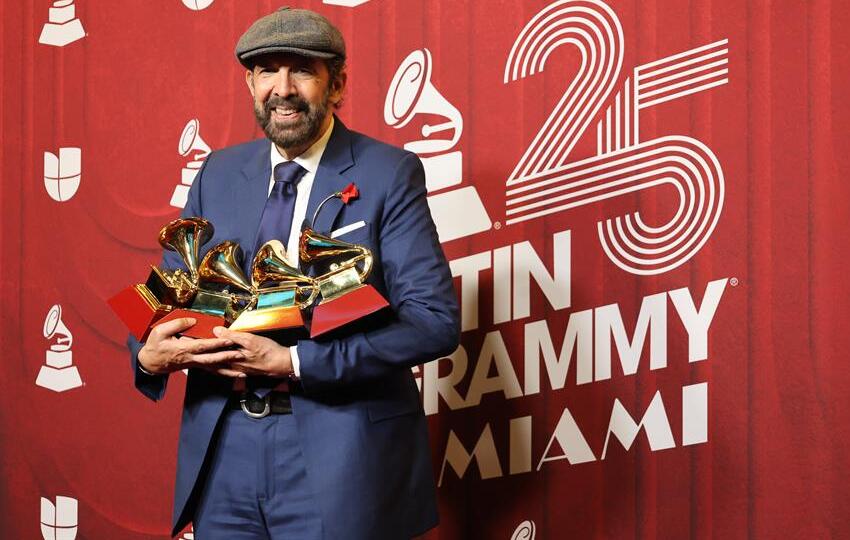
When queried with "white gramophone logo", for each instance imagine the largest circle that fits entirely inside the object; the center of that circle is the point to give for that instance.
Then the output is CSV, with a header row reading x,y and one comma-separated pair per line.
x,y
197,5
62,173
58,373
190,141
524,531
59,521
411,93
62,26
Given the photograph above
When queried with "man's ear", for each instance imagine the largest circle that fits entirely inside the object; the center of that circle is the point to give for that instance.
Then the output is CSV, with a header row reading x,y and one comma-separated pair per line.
x,y
249,80
338,88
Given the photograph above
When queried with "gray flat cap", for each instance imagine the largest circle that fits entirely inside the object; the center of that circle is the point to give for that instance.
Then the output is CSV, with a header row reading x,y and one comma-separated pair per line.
x,y
298,31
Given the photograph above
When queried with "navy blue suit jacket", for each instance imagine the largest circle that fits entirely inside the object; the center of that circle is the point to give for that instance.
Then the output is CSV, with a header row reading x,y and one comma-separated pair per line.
x,y
360,422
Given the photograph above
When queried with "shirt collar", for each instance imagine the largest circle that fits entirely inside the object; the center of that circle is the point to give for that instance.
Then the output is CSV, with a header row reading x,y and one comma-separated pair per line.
x,y
310,158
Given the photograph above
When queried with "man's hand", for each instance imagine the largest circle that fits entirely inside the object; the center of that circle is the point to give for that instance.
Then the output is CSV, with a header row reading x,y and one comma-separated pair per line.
x,y
260,355
164,353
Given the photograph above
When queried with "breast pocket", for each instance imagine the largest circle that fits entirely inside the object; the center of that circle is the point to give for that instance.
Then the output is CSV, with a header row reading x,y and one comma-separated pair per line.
x,y
354,233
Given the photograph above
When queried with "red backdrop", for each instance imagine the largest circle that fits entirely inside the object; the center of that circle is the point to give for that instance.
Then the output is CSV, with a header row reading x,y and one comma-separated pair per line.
x,y
767,458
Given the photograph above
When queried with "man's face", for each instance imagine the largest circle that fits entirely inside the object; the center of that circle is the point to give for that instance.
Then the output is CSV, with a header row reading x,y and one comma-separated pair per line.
x,y
293,99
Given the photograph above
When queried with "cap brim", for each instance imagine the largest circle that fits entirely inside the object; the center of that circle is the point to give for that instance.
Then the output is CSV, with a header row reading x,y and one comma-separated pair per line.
x,y
247,57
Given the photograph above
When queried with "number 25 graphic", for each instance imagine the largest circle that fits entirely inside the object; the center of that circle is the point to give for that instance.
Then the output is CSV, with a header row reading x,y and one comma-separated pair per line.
x,y
544,181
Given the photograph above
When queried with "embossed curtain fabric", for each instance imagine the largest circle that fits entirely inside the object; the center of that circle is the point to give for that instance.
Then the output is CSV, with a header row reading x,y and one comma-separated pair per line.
x,y
645,205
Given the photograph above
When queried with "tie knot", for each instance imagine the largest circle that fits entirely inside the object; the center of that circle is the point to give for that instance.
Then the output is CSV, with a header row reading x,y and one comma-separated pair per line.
x,y
288,172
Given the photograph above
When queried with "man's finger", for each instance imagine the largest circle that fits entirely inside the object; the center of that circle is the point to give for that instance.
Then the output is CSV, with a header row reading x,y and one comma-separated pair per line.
x,y
197,346
221,370
246,367
169,328
241,338
217,357
230,373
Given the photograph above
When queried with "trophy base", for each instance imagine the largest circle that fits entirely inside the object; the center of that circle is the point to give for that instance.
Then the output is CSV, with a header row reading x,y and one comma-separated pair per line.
x,y
263,320
139,309
353,305
203,328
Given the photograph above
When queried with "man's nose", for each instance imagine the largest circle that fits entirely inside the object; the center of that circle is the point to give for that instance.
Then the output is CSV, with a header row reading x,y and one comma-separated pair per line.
x,y
283,84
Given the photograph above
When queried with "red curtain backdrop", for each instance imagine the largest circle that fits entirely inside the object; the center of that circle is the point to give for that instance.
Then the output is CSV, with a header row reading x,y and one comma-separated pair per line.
x,y
773,459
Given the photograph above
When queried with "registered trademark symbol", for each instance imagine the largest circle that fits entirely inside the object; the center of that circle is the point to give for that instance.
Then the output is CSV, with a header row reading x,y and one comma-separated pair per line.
x,y
497,225
733,282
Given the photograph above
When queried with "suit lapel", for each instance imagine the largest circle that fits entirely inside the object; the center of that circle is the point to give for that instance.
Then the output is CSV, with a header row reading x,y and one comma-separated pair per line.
x,y
337,158
250,195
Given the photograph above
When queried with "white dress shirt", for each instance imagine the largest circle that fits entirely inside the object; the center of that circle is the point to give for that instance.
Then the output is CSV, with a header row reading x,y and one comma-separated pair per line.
x,y
310,161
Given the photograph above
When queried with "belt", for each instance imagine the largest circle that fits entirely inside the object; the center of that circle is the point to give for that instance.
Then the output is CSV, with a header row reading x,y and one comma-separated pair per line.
x,y
275,402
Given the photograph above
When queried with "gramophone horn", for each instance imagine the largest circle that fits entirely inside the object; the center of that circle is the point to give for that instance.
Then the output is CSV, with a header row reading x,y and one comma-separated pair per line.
x,y
186,236
221,266
53,325
314,246
270,266
411,92
191,139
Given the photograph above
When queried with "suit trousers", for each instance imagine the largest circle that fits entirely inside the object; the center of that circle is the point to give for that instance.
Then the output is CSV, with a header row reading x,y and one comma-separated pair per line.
x,y
256,483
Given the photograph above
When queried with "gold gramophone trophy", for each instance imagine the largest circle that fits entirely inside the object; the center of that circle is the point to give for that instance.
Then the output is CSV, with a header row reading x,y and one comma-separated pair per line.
x,y
280,292
184,236
215,291
345,295
142,306
222,292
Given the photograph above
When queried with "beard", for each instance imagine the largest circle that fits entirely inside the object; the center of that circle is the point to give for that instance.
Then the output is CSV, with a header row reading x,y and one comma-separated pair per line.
x,y
297,133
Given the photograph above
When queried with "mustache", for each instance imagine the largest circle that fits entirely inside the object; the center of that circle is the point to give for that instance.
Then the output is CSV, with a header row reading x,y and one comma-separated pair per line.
x,y
292,102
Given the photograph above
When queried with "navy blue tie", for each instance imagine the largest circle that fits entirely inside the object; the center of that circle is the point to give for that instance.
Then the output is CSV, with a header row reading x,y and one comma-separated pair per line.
x,y
275,225
277,214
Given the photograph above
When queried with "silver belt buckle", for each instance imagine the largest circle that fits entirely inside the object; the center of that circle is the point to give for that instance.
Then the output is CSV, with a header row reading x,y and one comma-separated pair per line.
x,y
243,401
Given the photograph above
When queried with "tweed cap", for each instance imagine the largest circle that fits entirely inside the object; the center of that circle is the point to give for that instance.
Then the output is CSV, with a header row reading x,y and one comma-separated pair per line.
x,y
298,31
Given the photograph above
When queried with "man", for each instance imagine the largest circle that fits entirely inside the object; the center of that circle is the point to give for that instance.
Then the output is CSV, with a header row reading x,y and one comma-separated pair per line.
x,y
332,443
